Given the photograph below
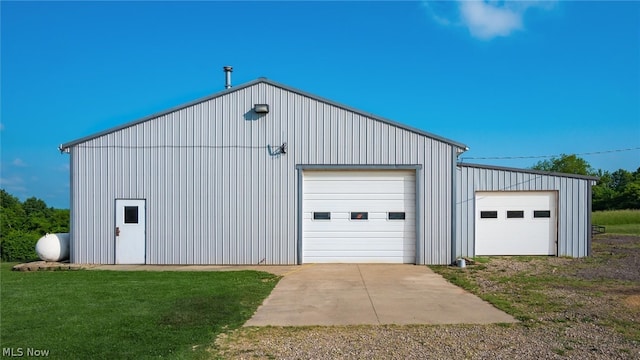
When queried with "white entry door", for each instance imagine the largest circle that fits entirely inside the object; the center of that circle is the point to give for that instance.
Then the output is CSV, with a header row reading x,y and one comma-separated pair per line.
x,y
130,231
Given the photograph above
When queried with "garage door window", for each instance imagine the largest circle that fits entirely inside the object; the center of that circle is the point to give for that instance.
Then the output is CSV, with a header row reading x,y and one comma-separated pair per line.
x,y
361,215
515,214
321,216
397,215
488,214
541,214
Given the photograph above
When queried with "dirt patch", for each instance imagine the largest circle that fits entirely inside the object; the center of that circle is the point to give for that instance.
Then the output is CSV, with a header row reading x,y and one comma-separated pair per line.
x,y
633,302
615,257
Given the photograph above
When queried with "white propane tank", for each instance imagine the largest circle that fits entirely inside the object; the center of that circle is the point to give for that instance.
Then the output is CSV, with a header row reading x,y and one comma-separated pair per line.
x,y
53,247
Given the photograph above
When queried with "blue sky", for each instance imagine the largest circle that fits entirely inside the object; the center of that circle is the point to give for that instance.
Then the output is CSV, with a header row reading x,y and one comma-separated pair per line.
x,y
509,79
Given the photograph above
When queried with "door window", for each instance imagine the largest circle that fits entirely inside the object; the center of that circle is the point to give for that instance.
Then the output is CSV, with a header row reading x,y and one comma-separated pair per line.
x,y
130,214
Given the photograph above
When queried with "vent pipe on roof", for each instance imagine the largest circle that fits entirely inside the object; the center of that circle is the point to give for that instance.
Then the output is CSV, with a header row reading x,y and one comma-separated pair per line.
x,y
227,71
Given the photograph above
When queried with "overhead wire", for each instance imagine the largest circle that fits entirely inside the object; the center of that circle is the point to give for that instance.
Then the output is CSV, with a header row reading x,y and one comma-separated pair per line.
x,y
544,156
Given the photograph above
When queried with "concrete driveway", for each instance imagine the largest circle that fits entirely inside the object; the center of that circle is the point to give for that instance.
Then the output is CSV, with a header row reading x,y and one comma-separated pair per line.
x,y
352,294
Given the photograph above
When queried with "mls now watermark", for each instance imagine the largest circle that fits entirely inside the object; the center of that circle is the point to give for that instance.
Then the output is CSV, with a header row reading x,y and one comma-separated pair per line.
x,y
21,352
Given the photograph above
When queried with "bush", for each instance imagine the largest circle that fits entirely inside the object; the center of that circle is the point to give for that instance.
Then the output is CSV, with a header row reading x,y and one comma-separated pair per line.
x,y
23,223
19,246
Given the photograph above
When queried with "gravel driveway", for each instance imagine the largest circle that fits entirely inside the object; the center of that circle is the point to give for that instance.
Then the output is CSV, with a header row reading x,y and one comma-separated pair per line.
x,y
587,341
594,314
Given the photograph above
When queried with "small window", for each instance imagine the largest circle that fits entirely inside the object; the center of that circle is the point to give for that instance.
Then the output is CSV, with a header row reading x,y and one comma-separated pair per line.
x,y
515,214
397,215
130,214
541,213
360,215
321,216
488,214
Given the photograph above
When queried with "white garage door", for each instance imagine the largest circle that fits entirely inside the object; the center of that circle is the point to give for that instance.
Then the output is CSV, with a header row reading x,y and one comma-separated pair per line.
x,y
516,223
359,217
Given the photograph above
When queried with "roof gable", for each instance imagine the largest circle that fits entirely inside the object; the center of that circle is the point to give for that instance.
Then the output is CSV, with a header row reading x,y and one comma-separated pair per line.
x,y
66,146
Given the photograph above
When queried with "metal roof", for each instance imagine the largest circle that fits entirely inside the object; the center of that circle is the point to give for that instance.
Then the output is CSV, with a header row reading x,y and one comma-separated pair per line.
x,y
72,143
530,171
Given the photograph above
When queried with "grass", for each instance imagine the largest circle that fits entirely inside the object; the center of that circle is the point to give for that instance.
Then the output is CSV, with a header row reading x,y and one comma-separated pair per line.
x,y
547,290
521,296
623,229
618,221
135,315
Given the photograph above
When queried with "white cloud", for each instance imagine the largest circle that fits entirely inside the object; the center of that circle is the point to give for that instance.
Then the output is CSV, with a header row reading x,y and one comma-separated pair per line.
x,y
19,163
14,184
11,181
441,11
485,19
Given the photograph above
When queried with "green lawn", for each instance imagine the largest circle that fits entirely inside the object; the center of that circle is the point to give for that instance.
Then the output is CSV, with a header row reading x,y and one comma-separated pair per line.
x,y
601,289
618,221
125,315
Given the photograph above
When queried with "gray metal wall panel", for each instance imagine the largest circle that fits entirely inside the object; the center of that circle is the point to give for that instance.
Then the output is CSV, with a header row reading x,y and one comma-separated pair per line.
x,y
214,193
574,204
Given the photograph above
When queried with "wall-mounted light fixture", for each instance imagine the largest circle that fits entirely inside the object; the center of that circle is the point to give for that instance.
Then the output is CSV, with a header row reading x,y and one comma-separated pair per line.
x,y
261,108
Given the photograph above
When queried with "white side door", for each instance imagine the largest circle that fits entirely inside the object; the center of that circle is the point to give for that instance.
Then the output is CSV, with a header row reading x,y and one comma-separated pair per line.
x,y
130,231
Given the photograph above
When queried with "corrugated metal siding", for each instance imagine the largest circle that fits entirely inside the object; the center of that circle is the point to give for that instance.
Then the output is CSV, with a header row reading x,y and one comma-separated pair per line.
x,y
214,193
574,205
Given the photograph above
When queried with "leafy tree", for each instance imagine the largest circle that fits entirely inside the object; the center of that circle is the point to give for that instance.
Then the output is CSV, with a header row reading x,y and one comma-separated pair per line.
x,y
630,197
59,221
568,164
12,216
603,193
35,207
627,186
620,179
617,190
22,224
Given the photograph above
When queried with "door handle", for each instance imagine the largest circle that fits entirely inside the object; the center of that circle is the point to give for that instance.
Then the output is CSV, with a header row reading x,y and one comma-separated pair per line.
x,y
117,231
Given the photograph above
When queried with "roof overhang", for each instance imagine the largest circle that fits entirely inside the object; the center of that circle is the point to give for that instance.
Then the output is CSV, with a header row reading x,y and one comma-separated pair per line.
x,y
530,171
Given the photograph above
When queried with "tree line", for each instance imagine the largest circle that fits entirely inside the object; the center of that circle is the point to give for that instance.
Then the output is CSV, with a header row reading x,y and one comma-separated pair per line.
x,y
614,191
23,223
